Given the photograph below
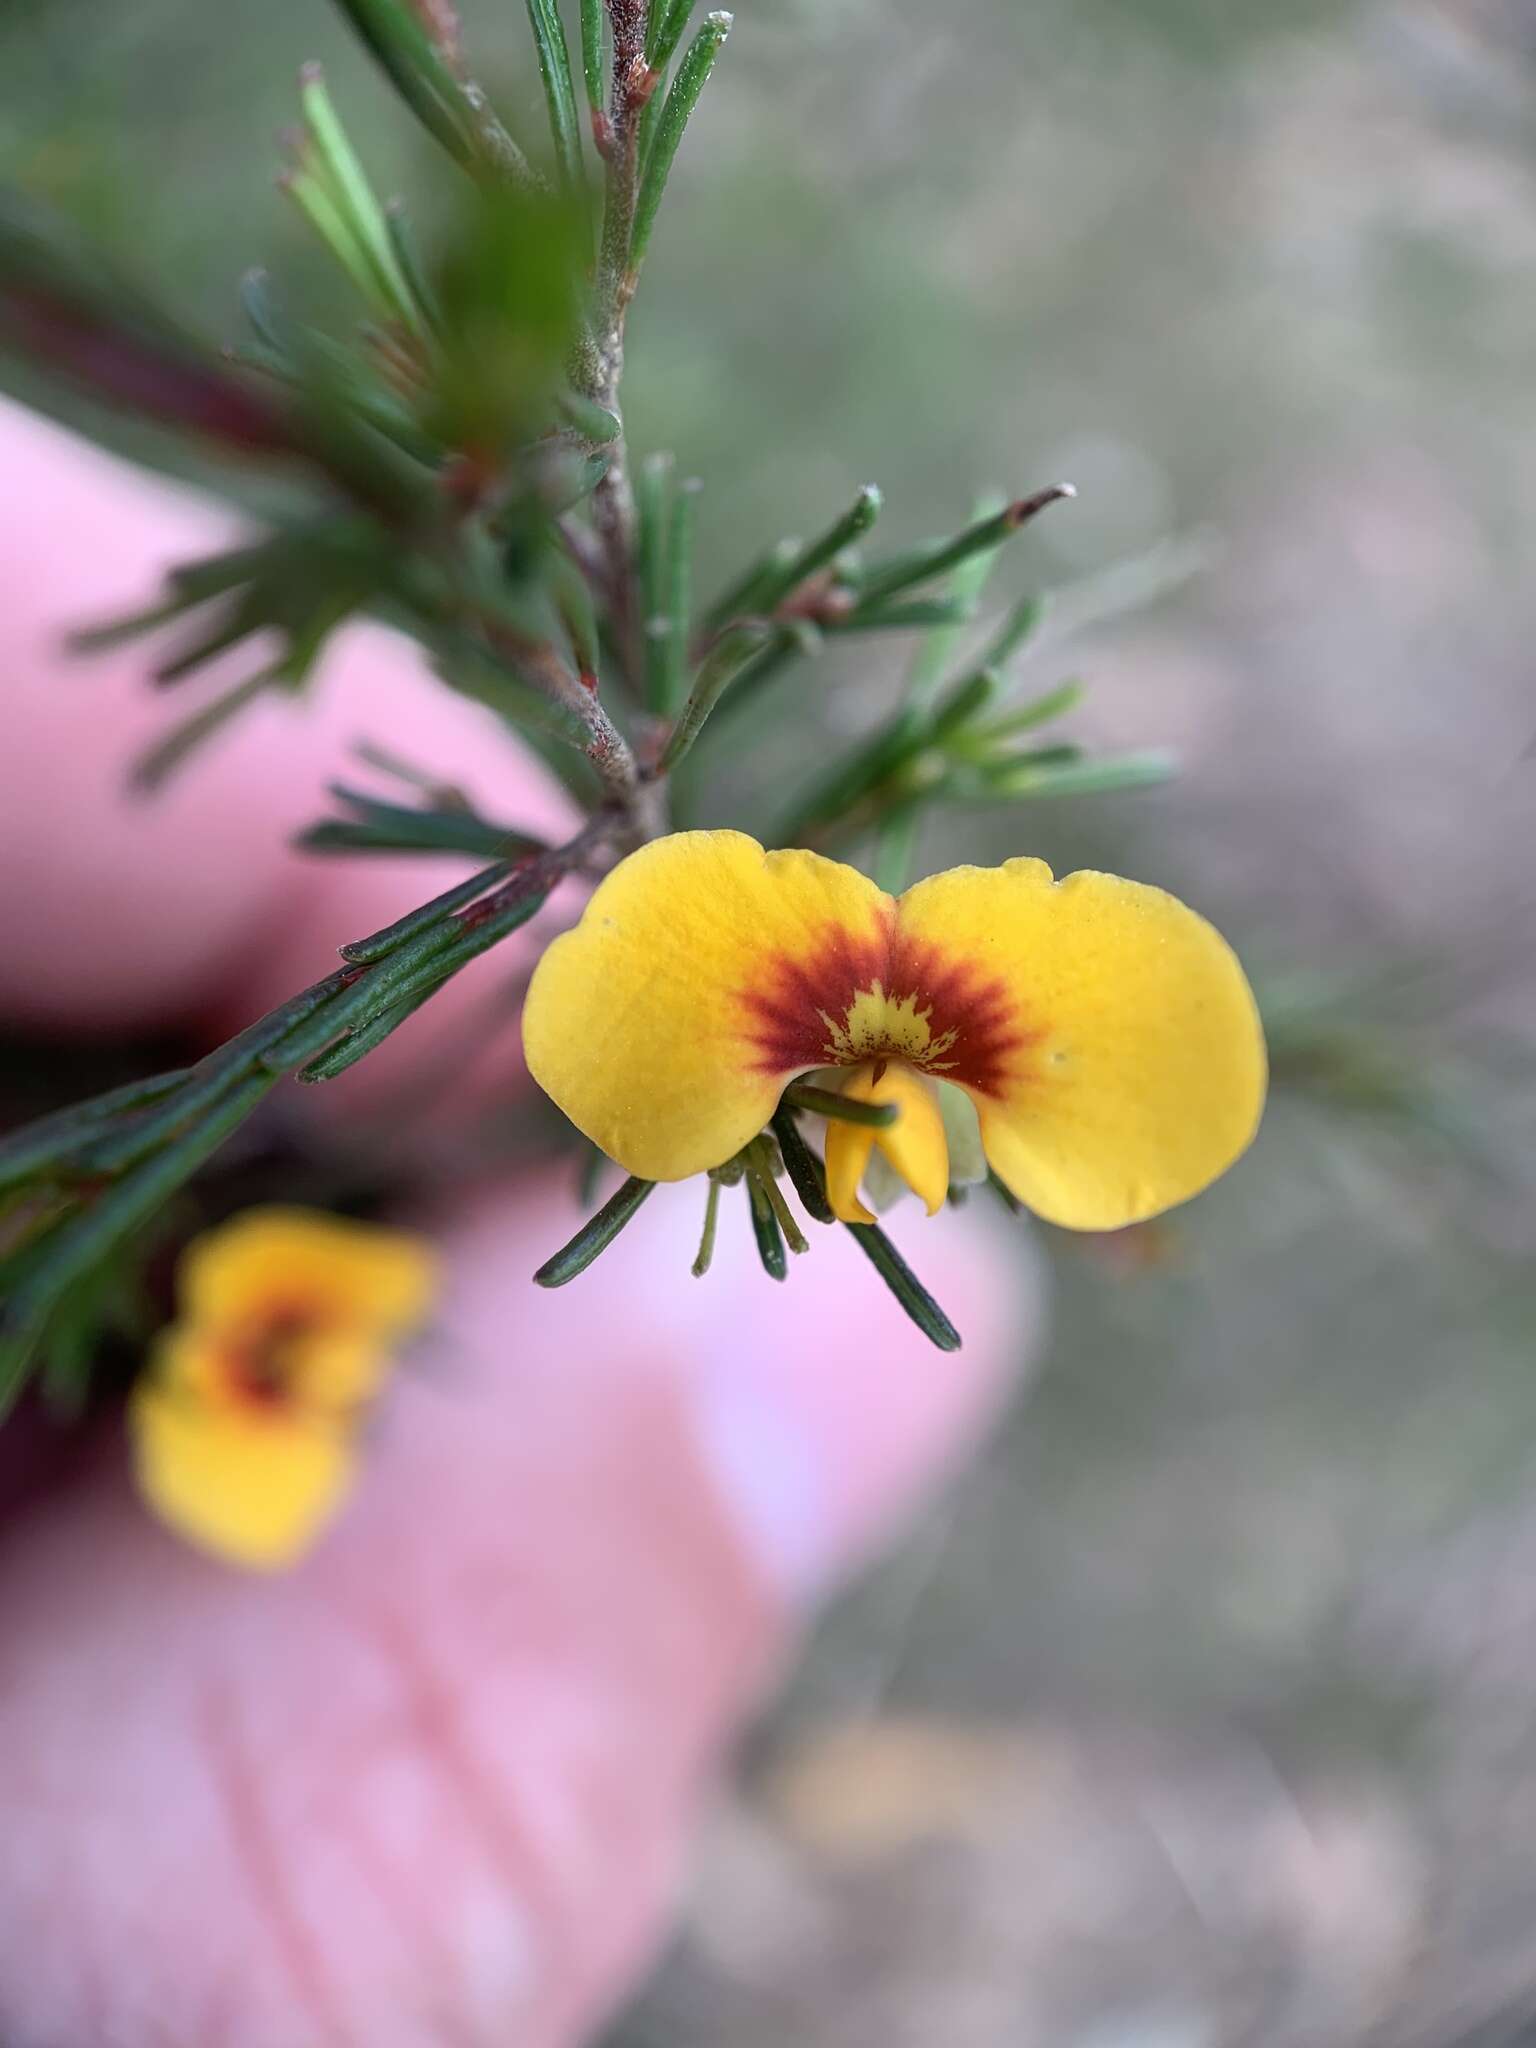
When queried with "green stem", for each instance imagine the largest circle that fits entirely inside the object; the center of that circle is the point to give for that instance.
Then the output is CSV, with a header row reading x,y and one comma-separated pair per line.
x,y
824,1102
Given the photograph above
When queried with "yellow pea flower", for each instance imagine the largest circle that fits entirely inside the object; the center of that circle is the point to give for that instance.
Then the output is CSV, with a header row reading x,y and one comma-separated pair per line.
x,y
1105,1033
244,1427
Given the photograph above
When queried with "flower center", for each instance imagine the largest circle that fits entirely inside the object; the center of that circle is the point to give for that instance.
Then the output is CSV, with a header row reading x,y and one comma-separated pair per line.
x,y
261,1360
878,1027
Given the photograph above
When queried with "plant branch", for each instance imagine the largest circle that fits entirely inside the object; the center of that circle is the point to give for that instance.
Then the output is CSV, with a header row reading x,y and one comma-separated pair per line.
x,y
618,133
635,801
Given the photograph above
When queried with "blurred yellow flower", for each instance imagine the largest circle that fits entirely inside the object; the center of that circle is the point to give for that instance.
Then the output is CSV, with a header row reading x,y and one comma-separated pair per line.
x,y
244,1427
1104,1032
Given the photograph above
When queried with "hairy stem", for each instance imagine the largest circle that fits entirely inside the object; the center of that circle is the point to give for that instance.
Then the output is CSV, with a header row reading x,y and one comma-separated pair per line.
x,y
613,504
637,802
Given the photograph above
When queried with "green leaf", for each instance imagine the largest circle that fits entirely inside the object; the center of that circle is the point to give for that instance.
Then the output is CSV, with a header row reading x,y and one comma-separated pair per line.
x,y
362,952
664,30
802,1166
365,1038
893,1269
692,76
419,832
432,954
89,1236
56,1139
419,289
559,88
1019,627
402,828
706,1251
412,62
726,660
905,1285
786,576
763,1165
902,616
1028,778
961,703
595,1236
852,779
592,67
347,182
135,1136
155,766
1039,711
965,585
318,203
362,994
745,596
592,421
907,571
765,1228
573,601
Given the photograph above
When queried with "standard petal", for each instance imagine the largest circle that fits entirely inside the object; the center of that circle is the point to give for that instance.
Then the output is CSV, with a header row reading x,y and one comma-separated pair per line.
x,y
700,979
321,1268
1105,1032
253,1489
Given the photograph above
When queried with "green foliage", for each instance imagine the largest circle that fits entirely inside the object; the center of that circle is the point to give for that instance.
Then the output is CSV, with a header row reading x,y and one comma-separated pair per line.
x,y
98,1174
459,468
595,1235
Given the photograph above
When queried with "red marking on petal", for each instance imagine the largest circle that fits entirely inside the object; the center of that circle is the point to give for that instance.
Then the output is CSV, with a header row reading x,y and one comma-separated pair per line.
x,y
788,1027
257,1355
976,1013
980,1009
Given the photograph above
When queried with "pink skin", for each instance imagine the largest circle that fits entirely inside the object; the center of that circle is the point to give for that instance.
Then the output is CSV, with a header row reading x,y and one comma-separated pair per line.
x,y
435,1786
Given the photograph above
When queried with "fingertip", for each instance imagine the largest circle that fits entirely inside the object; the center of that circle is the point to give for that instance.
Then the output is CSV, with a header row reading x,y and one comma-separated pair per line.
x,y
130,912
822,1413
827,1425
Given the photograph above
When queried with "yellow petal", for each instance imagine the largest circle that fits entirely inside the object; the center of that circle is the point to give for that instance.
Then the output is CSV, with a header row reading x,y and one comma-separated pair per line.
x,y
1105,1032
915,1144
703,975
322,1269
325,1372
848,1153
252,1488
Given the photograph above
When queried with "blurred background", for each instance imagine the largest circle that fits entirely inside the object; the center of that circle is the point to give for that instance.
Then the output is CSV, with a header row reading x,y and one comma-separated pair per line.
x,y
1203,1711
